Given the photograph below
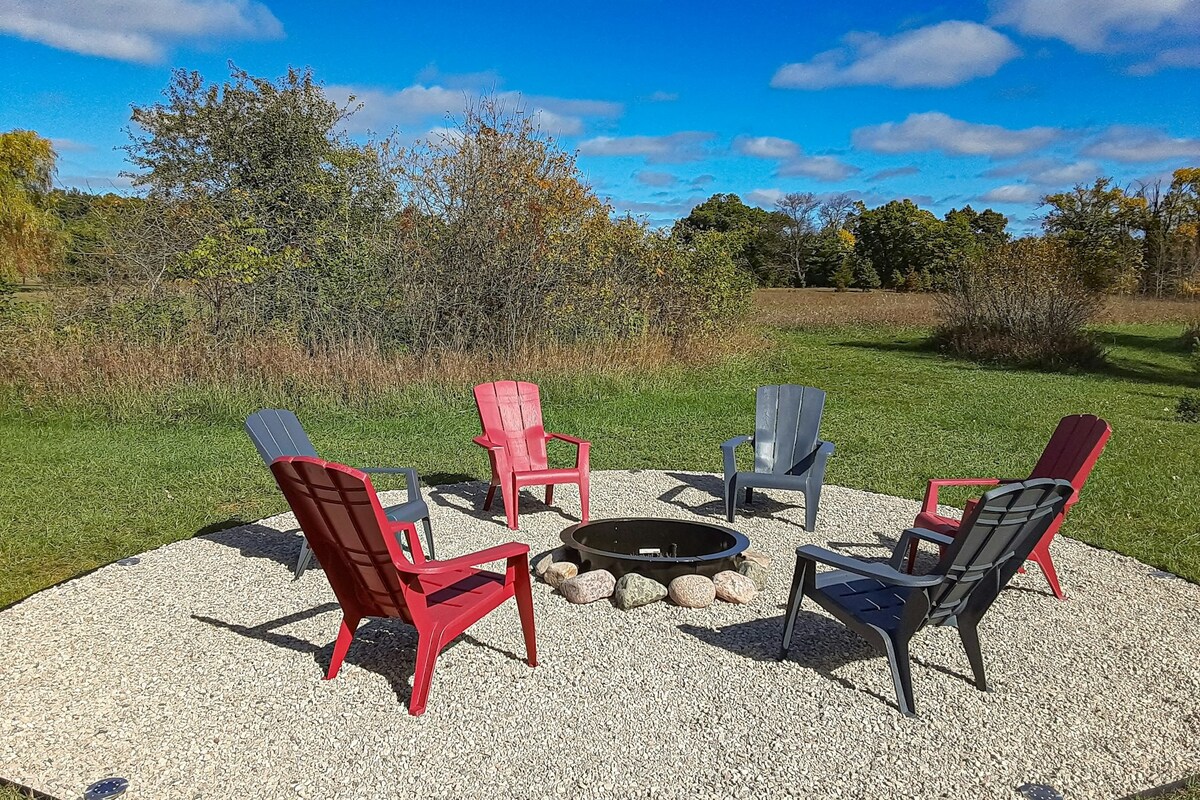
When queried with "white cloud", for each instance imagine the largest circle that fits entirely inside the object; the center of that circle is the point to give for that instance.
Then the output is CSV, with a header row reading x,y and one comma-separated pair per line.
x,y
1096,25
765,198
1012,193
670,149
822,168
135,30
1048,172
702,180
1129,145
383,109
651,178
766,147
663,97
937,132
946,54
1169,58
63,145
893,172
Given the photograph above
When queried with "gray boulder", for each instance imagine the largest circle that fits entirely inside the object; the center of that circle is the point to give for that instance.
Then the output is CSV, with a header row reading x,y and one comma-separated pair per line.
x,y
635,590
589,587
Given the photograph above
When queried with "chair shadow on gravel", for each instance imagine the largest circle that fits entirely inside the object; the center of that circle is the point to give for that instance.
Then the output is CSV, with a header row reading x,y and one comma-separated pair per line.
x,y
763,505
467,498
260,541
387,647
818,643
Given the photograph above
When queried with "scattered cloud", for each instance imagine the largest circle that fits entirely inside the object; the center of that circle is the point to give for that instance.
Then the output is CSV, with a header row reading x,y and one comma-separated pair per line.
x,y
651,178
893,172
1012,193
96,183
765,198
946,54
1048,171
1096,25
663,97
793,160
475,81
383,109
62,145
1170,58
677,206
702,180
1134,145
672,148
934,131
135,30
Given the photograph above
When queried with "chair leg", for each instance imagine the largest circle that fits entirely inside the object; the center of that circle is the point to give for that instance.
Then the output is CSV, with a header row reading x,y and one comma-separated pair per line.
x,y
749,495
913,547
342,645
795,598
302,562
812,503
549,493
487,503
524,595
731,491
585,491
969,633
512,494
429,645
1041,556
428,538
897,653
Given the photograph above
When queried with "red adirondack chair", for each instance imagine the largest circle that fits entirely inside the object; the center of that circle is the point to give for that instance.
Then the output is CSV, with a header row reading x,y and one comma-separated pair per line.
x,y
511,415
346,526
1070,455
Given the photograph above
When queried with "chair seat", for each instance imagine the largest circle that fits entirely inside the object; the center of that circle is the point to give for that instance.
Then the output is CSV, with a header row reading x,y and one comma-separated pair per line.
x,y
867,599
470,591
769,480
937,523
543,477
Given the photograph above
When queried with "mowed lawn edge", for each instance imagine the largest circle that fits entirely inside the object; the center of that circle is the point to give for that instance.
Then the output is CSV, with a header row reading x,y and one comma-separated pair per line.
x,y
82,491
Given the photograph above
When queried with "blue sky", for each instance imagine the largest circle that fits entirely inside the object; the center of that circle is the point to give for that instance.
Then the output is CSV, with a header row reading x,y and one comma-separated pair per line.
x,y
992,104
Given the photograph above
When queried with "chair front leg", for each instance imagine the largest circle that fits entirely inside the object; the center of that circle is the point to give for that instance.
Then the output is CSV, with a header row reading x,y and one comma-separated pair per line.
x,y
731,496
968,631
342,645
511,493
524,594
428,537
898,660
796,596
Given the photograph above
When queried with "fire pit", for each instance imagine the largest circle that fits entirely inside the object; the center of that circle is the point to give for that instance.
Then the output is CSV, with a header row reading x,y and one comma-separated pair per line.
x,y
661,549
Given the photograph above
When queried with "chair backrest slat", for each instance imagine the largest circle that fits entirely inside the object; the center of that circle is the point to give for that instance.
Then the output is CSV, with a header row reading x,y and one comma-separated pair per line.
x,y
1073,450
510,413
277,432
341,518
993,541
787,423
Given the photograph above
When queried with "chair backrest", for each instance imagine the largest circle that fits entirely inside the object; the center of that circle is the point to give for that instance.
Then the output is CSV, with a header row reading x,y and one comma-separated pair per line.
x,y
787,421
1072,450
343,521
996,537
511,415
276,432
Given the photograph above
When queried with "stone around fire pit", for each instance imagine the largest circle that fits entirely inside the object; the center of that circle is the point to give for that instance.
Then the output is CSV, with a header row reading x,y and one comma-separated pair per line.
x,y
734,587
762,559
692,591
558,572
588,587
635,590
756,572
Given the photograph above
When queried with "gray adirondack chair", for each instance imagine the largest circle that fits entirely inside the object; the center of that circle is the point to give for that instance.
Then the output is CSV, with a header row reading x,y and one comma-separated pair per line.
x,y
787,452
277,432
887,607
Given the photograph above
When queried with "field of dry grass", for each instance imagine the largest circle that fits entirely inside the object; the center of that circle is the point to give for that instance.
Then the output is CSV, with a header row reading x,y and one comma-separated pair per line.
x,y
825,308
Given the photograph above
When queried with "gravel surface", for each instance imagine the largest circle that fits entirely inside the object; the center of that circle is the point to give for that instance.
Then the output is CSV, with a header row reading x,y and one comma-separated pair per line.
x,y
195,671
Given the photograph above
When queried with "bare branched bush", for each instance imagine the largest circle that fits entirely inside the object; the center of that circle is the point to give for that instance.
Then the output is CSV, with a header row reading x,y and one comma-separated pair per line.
x,y
1025,302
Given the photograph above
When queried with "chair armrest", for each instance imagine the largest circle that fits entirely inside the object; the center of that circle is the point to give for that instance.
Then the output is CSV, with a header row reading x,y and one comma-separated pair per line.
x,y
410,478
583,448
487,443
924,534
566,438
729,455
500,552
929,506
868,569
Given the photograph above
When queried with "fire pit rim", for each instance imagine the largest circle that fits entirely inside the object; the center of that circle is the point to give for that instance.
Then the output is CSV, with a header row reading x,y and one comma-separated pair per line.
x,y
740,542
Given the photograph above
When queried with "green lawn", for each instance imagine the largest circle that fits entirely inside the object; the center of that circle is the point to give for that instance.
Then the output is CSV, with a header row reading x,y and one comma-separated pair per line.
x,y
82,491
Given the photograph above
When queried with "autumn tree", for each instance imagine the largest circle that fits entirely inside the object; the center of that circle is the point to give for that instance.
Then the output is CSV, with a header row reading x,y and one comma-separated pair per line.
x,y
799,228
752,234
29,235
1100,223
1171,242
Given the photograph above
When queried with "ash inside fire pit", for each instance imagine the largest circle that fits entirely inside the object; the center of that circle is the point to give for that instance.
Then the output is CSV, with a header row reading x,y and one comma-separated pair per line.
x,y
662,549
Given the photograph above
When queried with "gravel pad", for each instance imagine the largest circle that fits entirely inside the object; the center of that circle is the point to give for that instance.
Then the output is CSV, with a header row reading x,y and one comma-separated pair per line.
x,y
195,671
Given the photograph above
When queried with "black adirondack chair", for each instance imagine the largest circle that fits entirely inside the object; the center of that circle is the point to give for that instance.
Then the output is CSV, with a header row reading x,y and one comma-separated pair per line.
x,y
787,452
277,432
887,607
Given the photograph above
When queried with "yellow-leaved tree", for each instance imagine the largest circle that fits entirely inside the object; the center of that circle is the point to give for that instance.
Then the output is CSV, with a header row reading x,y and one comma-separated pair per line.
x,y
29,232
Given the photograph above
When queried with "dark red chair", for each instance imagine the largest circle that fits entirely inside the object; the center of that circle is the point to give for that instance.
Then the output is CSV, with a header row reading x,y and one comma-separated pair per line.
x,y
511,415
346,526
1070,455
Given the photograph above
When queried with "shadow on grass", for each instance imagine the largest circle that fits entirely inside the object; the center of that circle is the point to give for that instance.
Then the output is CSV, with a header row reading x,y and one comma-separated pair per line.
x,y
1138,370
386,647
763,504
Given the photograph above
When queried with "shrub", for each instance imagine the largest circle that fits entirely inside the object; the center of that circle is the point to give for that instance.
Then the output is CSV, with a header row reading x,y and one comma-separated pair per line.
x,y
1024,302
1188,407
